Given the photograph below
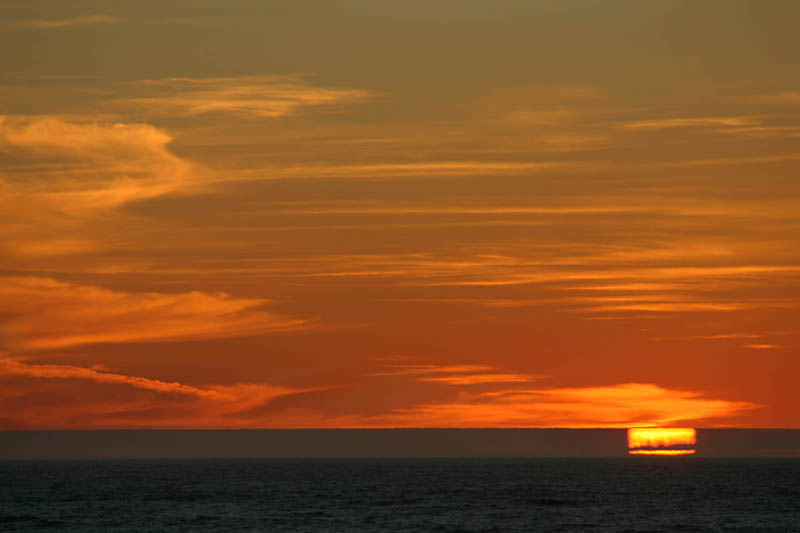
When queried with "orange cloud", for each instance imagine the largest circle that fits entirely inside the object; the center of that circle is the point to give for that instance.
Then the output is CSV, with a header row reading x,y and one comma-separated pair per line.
x,y
46,313
660,124
245,96
61,180
13,367
47,248
239,405
87,20
74,166
158,404
624,405
458,374
475,379
94,20
405,169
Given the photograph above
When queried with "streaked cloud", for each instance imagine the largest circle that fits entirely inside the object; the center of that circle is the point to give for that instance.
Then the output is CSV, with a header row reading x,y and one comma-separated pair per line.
x,y
245,96
75,166
137,401
763,346
47,24
457,374
242,404
476,379
49,248
45,313
101,19
779,97
667,123
661,307
726,336
48,371
413,170
623,405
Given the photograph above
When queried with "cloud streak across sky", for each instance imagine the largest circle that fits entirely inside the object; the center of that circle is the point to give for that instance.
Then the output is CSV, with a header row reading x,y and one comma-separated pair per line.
x,y
623,405
246,97
44,313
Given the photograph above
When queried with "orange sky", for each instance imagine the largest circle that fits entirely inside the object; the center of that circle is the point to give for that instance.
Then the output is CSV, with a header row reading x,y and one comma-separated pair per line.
x,y
399,214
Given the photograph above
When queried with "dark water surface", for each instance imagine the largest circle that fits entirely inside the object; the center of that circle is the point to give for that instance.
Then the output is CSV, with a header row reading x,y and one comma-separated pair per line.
x,y
633,494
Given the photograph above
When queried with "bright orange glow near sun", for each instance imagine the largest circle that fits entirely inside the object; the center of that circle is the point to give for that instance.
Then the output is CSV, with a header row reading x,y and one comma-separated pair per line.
x,y
661,441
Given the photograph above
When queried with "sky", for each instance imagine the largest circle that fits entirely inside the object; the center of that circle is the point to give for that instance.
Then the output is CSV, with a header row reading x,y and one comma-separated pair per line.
x,y
359,214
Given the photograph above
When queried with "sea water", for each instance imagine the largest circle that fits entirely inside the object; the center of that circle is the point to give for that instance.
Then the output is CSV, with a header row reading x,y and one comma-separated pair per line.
x,y
632,494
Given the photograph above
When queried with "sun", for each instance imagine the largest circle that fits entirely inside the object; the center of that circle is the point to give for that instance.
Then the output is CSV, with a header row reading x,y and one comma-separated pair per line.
x,y
661,441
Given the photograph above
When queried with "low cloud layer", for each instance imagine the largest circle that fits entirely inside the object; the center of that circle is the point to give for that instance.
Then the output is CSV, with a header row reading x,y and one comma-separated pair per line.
x,y
622,405
85,401
178,405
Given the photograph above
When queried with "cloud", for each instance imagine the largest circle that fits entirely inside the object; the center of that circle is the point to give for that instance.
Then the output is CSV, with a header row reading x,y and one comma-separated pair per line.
x,y
664,307
49,248
100,19
464,210
169,404
457,374
622,405
669,123
45,313
245,96
78,166
763,346
42,24
13,367
725,336
477,379
489,273
781,97
413,170
61,179
544,105
134,402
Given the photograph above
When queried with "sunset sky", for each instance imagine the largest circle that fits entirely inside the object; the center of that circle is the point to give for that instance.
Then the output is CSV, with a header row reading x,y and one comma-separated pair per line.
x,y
315,214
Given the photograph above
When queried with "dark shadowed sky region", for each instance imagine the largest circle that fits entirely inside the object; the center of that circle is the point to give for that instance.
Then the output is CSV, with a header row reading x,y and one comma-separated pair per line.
x,y
399,214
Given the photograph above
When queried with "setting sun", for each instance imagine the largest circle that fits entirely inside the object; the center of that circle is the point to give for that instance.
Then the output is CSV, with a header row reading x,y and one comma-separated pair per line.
x,y
661,441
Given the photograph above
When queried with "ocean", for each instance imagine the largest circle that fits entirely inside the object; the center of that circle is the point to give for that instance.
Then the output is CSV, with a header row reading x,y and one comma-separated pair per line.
x,y
619,494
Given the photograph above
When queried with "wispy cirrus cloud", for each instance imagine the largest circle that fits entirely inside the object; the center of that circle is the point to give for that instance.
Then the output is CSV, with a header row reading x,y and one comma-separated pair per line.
x,y
45,313
59,177
244,96
50,371
394,170
137,401
687,122
84,165
99,19
457,374
48,24
763,346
